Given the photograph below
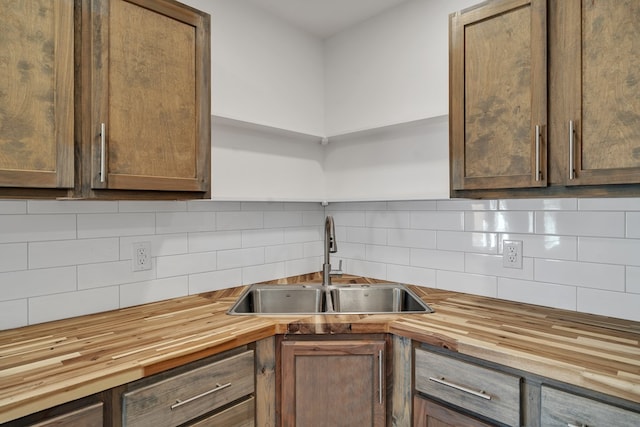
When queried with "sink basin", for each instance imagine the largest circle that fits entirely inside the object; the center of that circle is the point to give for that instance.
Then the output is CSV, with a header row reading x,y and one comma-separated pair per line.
x,y
262,299
279,299
382,298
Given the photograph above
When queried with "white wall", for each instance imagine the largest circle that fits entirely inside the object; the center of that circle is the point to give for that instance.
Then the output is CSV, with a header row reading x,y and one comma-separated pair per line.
x,y
263,70
390,69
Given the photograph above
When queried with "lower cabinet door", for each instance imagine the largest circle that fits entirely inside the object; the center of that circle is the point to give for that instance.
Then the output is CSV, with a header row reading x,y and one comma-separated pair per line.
x,y
89,416
240,415
427,413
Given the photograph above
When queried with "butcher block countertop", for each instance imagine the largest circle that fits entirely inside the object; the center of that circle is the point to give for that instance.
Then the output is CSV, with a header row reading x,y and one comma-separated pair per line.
x,y
48,364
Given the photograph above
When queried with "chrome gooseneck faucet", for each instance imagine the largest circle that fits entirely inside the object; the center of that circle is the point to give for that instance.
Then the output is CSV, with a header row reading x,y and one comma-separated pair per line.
x,y
330,247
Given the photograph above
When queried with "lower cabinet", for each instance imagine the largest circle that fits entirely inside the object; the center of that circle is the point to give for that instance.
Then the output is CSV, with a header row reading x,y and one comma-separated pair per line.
x,y
333,383
563,409
85,412
175,398
427,413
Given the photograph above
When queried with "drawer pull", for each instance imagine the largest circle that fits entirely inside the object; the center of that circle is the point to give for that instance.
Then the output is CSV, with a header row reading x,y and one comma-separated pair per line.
x,y
442,381
103,138
179,402
576,425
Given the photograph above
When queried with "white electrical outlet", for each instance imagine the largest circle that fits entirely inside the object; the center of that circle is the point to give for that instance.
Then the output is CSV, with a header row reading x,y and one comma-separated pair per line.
x,y
512,253
141,256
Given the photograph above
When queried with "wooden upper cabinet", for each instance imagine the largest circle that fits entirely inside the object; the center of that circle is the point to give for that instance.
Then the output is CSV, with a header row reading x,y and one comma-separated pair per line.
x,y
36,96
146,119
498,96
595,91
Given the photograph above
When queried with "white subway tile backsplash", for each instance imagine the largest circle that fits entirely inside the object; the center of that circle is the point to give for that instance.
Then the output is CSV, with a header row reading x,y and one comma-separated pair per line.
x,y
31,283
610,251
240,220
297,267
214,280
153,290
185,222
545,246
122,224
412,205
607,303
151,206
441,260
492,265
348,219
633,225
468,283
386,219
358,206
512,221
215,241
467,205
303,234
604,224
111,273
179,265
313,218
13,257
357,267
212,206
610,204
71,304
453,221
14,314
538,205
282,219
161,244
388,254
287,252
262,206
467,242
71,206
262,273
582,274
407,238
633,280
268,237
306,207
313,249
549,294
8,207
351,250
240,258
372,236
73,252
411,275
33,228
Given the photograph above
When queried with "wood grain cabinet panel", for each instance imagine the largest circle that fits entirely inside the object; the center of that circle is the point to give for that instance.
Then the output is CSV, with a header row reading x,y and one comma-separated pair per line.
x,y
90,416
146,97
498,95
333,383
427,413
36,95
480,390
562,409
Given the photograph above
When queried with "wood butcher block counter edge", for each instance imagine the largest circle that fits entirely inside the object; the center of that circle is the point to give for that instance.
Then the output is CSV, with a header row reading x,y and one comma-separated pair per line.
x,y
48,364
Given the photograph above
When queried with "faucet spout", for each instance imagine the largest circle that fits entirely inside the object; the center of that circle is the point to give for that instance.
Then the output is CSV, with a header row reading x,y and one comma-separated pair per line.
x,y
330,247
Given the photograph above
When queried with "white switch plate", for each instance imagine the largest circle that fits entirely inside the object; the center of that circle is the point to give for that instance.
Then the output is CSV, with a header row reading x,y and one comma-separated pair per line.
x,y
512,254
141,254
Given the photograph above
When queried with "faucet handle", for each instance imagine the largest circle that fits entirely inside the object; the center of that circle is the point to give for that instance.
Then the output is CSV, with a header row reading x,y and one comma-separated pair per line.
x,y
338,272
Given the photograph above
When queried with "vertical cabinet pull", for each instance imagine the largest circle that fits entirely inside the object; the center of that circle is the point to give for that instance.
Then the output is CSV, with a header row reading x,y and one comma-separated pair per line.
x,y
380,365
103,138
572,141
538,172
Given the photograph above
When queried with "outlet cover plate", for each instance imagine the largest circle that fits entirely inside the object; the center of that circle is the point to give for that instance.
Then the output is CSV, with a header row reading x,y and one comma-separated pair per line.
x,y
512,254
141,254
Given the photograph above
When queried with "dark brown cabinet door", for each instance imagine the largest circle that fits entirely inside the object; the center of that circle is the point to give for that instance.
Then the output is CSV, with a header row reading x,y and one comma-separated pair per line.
x,y
595,91
498,96
149,98
333,383
427,413
36,94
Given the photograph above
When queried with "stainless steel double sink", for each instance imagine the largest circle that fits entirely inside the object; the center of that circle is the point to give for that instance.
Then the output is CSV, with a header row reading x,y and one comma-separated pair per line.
x,y
263,299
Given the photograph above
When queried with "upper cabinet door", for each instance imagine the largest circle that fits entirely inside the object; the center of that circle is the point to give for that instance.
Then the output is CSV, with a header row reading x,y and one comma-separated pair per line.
x,y
150,97
498,96
36,94
595,91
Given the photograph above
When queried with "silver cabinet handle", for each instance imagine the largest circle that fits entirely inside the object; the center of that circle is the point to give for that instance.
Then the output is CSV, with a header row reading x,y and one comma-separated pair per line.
x,y
179,402
380,376
442,381
576,425
103,138
538,153
572,141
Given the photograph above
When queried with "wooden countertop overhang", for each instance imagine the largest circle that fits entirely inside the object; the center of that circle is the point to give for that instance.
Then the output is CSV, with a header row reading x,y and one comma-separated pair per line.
x,y
48,364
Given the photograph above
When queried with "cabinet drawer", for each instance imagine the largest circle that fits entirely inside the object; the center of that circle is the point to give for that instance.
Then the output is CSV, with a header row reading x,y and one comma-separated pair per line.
x,y
487,392
90,416
240,415
180,398
564,409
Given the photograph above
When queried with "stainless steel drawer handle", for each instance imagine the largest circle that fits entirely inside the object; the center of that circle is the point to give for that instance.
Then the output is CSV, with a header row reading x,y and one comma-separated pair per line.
x,y
380,365
538,172
576,425
572,148
442,381
179,402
